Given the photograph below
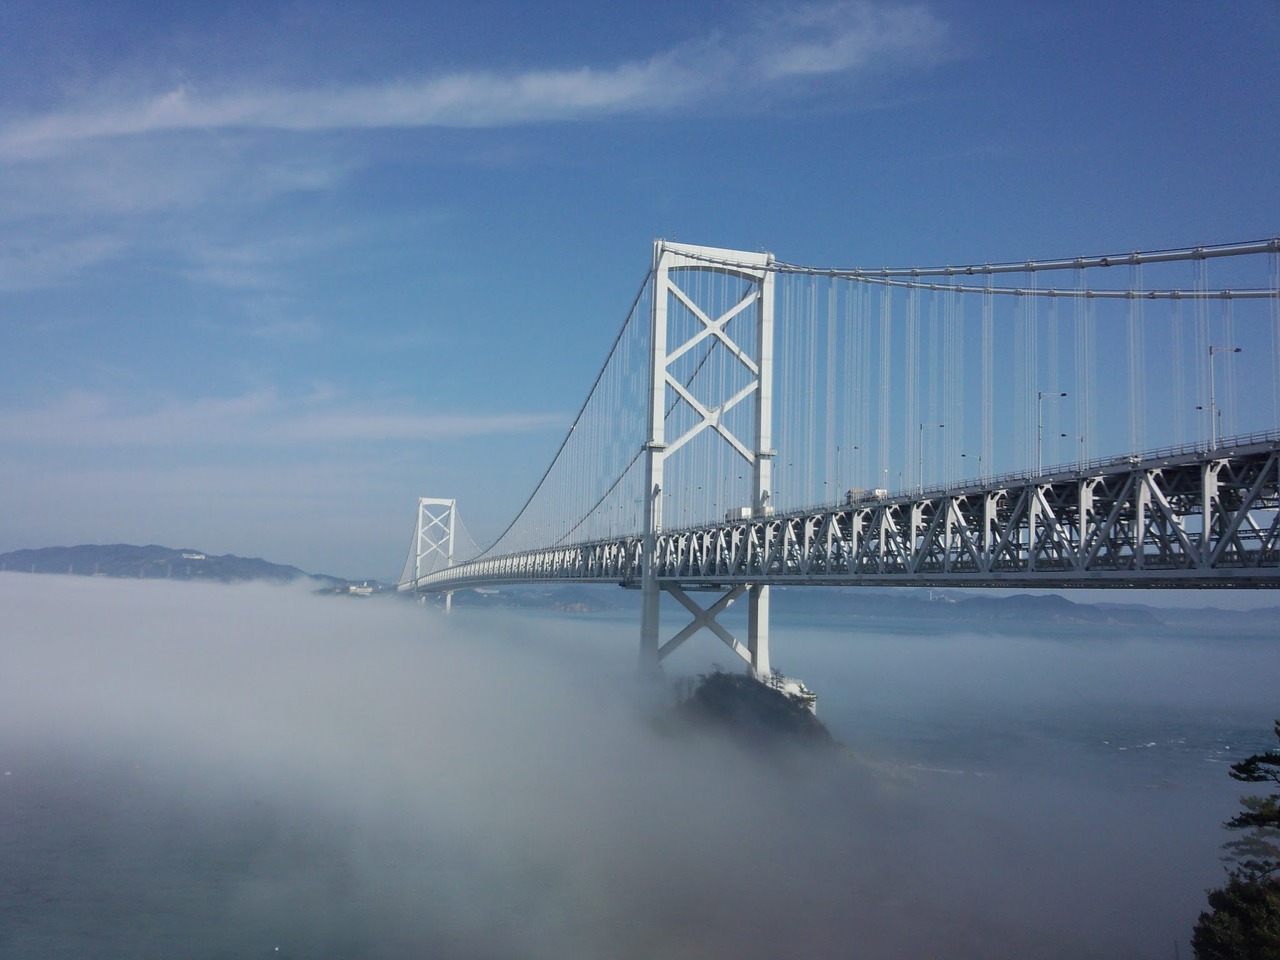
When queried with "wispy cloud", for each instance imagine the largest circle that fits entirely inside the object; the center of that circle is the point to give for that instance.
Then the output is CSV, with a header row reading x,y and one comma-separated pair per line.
x,y
257,262
843,37
122,167
36,262
250,419
809,41
70,212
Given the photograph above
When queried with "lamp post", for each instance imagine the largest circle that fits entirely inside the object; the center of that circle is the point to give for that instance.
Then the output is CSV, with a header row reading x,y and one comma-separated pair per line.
x,y
965,456
1080,440
920,465
1040,397
853,470
1213,406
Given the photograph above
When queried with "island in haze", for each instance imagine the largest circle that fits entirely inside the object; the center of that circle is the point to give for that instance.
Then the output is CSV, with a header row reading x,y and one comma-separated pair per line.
x,y
153,562
871,605
756,715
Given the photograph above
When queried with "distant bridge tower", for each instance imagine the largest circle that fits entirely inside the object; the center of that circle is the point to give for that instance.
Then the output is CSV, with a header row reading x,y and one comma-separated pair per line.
x,y
433,540
676,268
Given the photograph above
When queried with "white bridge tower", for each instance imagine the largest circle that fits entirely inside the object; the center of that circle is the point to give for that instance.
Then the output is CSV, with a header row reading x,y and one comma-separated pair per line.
x,y
676,267
433,539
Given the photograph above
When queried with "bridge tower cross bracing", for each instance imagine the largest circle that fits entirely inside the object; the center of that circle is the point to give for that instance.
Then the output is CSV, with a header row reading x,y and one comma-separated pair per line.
x,y
671,262
434,538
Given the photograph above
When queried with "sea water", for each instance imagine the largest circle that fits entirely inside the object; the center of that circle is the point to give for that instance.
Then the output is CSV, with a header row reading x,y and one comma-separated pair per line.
x,y
210,772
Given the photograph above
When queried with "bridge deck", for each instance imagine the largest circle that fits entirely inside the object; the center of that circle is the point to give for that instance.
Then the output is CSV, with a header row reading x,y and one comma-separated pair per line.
x,y
1180,518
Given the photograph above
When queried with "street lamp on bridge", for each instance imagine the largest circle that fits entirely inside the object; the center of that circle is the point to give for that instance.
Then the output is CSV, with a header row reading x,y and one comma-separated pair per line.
x,y
965,456
1213,406
853,469
1041,395
1079,438
920,465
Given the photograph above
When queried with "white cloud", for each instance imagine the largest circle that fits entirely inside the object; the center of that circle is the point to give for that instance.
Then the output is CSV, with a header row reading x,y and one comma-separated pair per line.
x,y
251,419
813,40
257,263
31,263
99,177
842,37
283,329
67,213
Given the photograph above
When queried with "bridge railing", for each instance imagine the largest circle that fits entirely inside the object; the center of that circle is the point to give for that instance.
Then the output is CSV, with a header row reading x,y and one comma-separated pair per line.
x,y
1154,523
1196,448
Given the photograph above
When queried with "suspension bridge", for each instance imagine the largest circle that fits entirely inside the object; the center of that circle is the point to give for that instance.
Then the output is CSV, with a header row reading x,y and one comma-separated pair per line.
x,y
1101,421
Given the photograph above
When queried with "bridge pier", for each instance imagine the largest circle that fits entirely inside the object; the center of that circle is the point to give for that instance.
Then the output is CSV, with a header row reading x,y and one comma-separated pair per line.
x,y
758,630
756,651
649,621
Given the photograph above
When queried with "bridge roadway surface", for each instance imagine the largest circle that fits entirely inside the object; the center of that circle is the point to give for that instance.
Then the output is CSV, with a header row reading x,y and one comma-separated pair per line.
x,y
1178,517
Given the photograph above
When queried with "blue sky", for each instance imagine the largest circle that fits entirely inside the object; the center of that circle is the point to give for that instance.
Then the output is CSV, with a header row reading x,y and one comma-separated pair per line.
x,y
271,271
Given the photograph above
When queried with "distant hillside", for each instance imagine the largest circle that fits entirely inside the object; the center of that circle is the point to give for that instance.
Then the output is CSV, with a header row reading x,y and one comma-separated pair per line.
x,y
151,563
572,598
888,606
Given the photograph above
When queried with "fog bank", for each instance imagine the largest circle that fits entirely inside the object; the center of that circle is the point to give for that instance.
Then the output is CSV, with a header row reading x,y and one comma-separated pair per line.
x,y
209,771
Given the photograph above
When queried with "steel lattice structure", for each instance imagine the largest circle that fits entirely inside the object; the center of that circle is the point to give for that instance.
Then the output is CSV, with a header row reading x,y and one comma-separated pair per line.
x,y
1175,519
1204,514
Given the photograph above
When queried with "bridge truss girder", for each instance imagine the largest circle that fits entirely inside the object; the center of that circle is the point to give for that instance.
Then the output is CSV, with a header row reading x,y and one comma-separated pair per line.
x,y
1207,519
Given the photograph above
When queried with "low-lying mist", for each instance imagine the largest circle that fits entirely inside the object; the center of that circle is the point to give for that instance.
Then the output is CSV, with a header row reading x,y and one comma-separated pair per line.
x,y
204,771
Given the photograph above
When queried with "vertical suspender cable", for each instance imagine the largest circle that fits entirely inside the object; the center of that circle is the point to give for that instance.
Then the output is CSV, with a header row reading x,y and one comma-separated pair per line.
x,y
1089,432
1273,263
1137,392
852,388
886,334
934,377
911,357
863,457
1053,368
1023,392
988,379
811,400
1081,357
784,477
953,363
829,474
1228,405
1178,341
1202,344
1031,366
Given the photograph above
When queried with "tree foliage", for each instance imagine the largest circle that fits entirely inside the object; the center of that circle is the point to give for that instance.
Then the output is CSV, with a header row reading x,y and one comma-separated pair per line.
x,y
1244,923
1244,920
1258,852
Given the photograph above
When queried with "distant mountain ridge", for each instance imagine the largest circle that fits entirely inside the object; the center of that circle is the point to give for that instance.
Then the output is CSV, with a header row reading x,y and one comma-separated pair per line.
x,y
899,604
152,562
